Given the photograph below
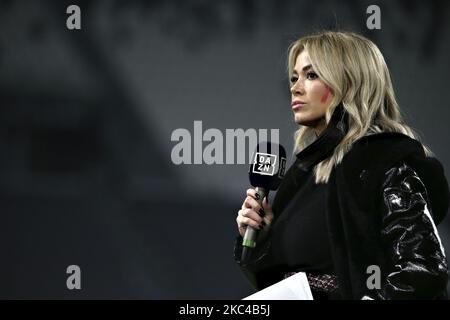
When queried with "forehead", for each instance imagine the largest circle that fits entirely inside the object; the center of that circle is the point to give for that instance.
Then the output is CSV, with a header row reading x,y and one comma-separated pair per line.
x,y
302,60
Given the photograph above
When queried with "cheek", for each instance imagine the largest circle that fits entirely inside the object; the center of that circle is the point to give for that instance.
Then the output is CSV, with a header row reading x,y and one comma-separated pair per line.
x,y
325,94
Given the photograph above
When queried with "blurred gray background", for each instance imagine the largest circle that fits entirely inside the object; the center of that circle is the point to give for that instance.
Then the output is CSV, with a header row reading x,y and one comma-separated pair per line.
x,y
86,118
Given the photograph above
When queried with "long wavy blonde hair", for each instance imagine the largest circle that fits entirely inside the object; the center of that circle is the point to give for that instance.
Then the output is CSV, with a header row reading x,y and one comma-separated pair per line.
x,y
355,70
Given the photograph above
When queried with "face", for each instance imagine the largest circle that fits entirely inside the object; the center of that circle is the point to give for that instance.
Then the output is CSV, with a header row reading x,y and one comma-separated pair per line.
x,y
311,97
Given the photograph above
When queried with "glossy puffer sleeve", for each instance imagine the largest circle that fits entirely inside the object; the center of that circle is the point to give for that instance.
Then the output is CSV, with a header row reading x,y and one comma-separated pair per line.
x,y
417,267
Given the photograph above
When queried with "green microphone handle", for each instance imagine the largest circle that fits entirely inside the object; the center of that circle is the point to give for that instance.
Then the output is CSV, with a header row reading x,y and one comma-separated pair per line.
x,y
249,240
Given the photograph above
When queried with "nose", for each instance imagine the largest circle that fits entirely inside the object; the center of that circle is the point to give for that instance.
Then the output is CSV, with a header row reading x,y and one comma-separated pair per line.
x,y
297,88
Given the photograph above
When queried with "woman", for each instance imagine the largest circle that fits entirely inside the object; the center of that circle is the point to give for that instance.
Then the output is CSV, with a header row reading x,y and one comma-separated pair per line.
x,y
357,211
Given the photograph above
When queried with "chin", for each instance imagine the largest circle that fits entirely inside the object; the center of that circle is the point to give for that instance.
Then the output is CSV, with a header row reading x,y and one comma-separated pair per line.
x,y
301,121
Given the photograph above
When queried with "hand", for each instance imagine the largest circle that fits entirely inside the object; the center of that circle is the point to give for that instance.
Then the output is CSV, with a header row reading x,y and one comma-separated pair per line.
x,y
253,214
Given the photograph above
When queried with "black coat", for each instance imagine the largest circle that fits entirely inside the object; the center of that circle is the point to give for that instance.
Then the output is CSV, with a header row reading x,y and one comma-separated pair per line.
x,y
366,229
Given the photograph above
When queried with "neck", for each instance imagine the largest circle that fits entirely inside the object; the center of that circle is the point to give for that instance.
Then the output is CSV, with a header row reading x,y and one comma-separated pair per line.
x,y
326,141
321,125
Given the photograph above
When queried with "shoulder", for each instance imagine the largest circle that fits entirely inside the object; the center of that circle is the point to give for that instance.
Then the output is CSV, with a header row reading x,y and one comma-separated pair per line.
x,y
379,159
382,149
372,155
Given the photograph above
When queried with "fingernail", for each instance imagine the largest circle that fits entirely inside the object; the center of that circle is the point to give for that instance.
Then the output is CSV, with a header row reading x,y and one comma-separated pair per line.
x,y
261,213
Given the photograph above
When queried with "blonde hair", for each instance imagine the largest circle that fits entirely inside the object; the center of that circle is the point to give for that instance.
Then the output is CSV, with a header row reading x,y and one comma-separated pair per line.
x,y
355,70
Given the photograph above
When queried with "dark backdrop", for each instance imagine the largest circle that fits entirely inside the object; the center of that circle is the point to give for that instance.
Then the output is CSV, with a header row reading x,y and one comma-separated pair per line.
x,y
86,118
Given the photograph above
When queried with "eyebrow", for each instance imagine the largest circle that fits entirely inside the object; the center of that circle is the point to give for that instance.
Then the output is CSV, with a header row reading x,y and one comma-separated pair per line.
x,y
305,68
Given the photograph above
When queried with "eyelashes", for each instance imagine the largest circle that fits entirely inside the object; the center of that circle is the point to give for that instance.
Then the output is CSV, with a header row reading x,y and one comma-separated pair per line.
x,y
310,76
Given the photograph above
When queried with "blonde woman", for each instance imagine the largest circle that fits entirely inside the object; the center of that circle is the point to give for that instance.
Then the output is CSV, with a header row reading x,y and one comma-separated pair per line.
x,y
357,211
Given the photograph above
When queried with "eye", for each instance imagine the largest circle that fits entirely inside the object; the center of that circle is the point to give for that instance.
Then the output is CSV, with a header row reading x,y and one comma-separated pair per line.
x,y
294,79
311,76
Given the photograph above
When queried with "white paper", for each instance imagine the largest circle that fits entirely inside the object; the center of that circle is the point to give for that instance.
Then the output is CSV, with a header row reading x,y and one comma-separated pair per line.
x,y
295,287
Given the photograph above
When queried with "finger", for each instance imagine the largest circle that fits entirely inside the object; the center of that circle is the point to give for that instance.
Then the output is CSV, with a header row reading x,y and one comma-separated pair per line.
x,y
252,223
265,205
249,213
251,203
249,217
252,193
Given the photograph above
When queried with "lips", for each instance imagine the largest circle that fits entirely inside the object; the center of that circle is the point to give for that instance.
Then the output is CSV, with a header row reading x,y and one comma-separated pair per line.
x,y
297,104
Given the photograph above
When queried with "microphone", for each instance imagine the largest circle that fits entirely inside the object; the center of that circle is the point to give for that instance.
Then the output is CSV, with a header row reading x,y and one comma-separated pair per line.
x,y
266,173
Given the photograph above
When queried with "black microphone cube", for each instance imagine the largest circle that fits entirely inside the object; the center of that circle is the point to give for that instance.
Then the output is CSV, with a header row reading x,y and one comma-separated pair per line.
x,y
268,166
